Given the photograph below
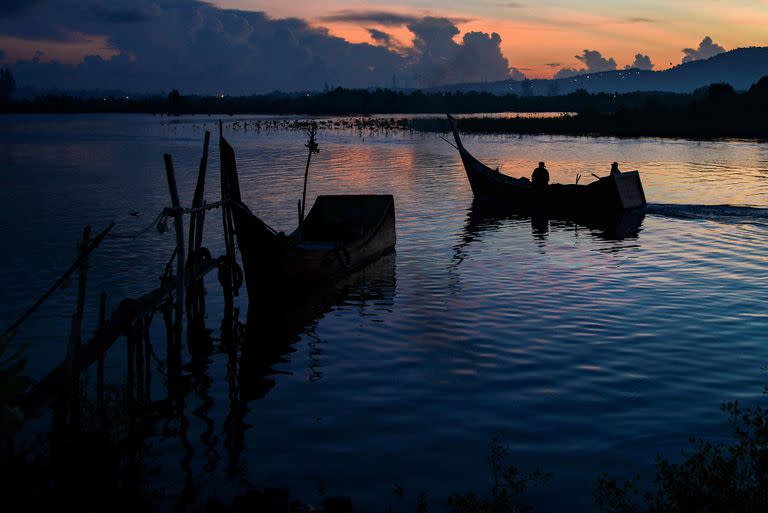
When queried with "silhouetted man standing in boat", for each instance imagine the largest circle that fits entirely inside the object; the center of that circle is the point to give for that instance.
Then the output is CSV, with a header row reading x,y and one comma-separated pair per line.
x,y
615,169
540,176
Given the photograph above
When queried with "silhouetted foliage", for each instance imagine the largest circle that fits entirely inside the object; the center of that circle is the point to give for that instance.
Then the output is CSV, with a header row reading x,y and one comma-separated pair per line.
x,y
86,469
553,89
7,84
345,102
174,102
174,96
508,485
722,91
713,477
526,87
760,87
713,111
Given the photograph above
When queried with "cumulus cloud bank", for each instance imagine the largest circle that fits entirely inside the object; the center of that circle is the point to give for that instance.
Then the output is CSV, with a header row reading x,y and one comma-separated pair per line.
x,y
707,48
438,59
516,74
594,62
371,17
194,46
641,62
386,40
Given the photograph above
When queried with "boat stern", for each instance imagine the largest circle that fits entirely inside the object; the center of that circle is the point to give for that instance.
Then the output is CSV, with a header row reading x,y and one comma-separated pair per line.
x,y
629,190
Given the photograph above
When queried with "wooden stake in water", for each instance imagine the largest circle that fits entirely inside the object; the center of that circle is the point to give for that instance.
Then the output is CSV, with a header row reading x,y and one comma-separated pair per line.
x,y
74,337
100,365
178,222
58,283
229,191
195,292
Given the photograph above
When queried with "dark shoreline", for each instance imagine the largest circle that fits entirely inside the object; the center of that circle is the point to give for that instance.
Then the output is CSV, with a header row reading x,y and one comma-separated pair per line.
x,y
621,125
718,113
715,112
578,125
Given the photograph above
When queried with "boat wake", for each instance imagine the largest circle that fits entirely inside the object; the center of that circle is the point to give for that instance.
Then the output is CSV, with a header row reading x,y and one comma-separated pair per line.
x,y
726,214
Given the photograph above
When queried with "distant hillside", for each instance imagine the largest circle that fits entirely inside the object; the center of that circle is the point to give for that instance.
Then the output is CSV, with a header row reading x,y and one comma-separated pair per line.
x,y
741,68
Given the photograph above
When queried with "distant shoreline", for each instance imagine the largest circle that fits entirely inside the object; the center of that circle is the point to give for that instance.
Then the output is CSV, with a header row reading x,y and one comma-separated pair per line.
x,y
575,125
714,112
567,125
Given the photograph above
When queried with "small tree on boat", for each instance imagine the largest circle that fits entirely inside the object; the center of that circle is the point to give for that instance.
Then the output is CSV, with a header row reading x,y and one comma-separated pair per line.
x,y
313,148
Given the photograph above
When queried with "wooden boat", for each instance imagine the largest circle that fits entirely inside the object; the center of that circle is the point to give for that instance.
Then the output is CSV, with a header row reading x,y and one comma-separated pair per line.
x,y
607,194
340,234
484,217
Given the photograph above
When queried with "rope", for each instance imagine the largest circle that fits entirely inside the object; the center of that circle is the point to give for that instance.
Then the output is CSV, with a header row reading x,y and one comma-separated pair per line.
x,y
155,222
209,206
159,221
85,252
170,211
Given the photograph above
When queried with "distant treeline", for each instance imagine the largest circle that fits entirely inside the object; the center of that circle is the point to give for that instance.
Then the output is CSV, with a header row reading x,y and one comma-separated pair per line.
x,y
714,111
717,111
347,102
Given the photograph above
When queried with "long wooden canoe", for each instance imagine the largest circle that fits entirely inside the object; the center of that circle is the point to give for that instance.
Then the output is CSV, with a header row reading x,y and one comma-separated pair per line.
x,y
340,234
608,194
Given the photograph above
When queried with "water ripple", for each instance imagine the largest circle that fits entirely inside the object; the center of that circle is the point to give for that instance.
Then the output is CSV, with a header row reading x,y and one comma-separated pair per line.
x,y
586,349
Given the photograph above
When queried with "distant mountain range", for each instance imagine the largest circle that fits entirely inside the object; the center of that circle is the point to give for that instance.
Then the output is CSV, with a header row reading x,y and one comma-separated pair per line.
x,y
741,68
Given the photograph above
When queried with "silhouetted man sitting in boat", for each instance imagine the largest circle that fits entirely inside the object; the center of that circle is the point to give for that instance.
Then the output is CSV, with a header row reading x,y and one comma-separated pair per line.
x,y
615,169
540,176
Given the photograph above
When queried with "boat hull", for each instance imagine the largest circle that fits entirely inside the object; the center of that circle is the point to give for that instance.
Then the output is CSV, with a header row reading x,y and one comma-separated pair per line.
x,y
341,234
275,264
615,193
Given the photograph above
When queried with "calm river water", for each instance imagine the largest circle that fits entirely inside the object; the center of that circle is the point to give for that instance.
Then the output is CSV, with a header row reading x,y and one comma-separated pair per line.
x,y
584,351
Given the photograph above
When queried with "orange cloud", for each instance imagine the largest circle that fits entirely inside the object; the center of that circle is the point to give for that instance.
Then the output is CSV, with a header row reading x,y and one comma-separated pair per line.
x,y
534,35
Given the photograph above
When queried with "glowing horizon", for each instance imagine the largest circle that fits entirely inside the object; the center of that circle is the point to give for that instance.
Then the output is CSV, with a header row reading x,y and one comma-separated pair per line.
x,y
152,44
536,36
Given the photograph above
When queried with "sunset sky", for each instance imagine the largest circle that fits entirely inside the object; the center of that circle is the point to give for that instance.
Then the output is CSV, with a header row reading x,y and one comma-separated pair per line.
x,y
224,45
537,34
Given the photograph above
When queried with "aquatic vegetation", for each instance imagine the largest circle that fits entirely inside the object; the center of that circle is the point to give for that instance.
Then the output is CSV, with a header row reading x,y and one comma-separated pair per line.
x,y
509,483
713,476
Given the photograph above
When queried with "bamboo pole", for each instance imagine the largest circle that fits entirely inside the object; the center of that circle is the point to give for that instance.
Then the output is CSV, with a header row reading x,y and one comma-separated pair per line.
x,y
100,365
58,283
126,313
226,278
178,222
139,349
173,358
196,219
73,396
195,301
147,368
81,286
129,346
